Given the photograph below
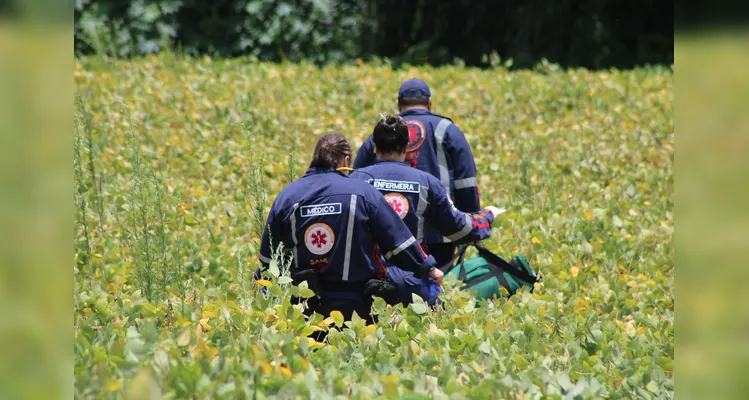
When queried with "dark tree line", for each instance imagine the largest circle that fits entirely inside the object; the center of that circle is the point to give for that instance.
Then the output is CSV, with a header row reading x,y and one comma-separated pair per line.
x,y
589,33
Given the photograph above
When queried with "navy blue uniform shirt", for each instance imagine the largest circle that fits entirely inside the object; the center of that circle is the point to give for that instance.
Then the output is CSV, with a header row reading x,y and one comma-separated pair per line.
x,y
421,201
438,147
336,224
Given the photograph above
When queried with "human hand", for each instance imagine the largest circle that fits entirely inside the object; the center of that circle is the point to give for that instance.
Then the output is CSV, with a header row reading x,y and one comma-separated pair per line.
x,y
436,274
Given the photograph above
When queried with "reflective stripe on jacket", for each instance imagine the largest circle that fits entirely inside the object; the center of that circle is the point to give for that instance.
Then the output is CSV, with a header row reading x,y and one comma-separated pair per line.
x,y
339,225
421,201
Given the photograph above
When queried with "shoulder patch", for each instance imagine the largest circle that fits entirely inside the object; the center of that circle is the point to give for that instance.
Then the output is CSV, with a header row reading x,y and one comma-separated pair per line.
x,y
319,238
396,186
315,210
416,134
398,203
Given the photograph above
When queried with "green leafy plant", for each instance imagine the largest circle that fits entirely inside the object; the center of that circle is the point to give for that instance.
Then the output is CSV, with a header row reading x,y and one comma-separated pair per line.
x,y
188,155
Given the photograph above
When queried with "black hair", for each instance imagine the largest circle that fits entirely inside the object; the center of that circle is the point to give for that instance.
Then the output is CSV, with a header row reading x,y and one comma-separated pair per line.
x,y
413,101
391,135
330,150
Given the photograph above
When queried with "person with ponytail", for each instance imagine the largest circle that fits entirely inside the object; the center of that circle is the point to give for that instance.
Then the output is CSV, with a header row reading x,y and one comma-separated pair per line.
x,y
436,146
339,233
421,201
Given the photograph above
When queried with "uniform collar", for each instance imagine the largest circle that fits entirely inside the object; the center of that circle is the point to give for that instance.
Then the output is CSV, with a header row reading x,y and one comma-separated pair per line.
x,y
415,111
378,161
318,171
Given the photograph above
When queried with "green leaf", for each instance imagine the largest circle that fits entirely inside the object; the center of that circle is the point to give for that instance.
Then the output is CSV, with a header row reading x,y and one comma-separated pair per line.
x,y
273,268
379,305
337,318
653,387
418,305
520,361
276,290
226,389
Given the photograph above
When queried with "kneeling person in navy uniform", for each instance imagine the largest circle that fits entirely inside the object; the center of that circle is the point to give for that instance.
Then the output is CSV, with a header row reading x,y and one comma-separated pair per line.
x,y
337,230
420,200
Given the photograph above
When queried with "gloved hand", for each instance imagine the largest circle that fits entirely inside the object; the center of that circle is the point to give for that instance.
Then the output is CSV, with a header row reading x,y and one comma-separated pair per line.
x,y
496,211
381,288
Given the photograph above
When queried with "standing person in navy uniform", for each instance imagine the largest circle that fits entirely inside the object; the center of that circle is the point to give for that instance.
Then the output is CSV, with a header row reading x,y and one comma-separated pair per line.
x,y
435,146
338,228
420,200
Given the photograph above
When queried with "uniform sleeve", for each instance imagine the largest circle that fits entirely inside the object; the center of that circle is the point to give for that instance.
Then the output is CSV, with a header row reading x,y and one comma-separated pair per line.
x,y
395,239
460,158
366,154
271,238
458,226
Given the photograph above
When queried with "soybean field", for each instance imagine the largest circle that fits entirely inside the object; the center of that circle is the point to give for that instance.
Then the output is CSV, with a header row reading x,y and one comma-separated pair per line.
x,y
178,159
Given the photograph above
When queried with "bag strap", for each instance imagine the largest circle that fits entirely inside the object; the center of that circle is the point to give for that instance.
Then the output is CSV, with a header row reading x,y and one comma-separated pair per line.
x,y
462,273
495,261
459,256
496,273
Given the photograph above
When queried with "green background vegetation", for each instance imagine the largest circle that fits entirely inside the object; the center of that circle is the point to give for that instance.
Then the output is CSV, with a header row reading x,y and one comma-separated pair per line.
x,y
177,161
589,33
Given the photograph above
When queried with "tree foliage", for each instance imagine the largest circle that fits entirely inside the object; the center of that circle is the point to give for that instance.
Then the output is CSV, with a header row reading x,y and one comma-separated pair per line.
x,y
590,33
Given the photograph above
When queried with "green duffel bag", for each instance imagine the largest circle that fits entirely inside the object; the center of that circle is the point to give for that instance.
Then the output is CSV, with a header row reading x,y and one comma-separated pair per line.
x,y
488,272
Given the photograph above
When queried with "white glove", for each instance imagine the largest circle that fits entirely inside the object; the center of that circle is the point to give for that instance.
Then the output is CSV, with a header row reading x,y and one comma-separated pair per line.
x,y
496,211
